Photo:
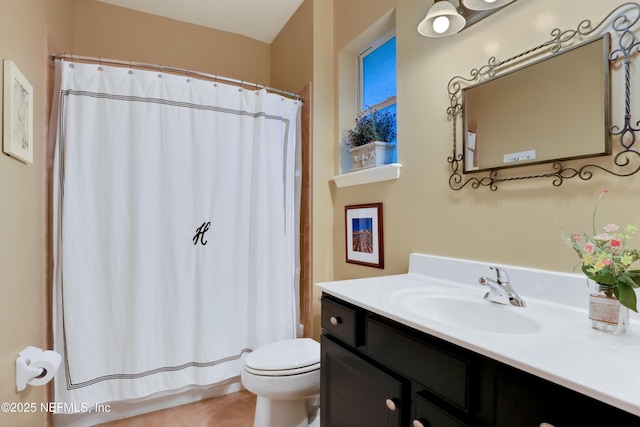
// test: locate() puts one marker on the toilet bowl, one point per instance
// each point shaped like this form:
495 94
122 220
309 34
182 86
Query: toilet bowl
285 377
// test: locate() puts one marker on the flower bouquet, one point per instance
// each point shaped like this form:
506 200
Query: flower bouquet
606 259
372 126
370 140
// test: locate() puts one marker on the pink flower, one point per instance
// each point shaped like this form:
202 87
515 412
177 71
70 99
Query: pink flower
589 247
615 243
577 237
606 262
605 190
602 237
611 228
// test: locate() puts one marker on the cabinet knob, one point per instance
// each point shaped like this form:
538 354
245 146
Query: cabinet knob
335 320
391 404
417 423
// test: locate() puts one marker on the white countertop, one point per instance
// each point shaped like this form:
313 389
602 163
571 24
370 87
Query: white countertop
562 348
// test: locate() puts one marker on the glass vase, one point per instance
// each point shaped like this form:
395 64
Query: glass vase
605 311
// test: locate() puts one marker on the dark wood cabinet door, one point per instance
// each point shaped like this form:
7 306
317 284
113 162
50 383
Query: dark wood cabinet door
356 393
525 400
520 403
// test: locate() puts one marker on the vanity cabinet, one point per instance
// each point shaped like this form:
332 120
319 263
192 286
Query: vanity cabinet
378 372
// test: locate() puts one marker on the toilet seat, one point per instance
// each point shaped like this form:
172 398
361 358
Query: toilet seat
283 372
284 358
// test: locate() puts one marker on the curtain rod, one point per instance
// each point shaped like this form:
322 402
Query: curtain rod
173 70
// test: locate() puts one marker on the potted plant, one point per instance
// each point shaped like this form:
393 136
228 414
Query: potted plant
370 140
606 259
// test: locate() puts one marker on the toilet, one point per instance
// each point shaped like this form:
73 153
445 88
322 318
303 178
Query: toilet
285 375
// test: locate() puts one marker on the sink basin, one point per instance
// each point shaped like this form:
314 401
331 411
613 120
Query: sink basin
461 309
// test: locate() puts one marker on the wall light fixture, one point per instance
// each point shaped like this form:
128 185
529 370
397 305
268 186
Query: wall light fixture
444 18
485 4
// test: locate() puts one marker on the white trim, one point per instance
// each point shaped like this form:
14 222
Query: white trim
367 176
381 106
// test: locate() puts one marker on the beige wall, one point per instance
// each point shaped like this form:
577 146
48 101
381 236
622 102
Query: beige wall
355 16
115 32
303 52
27 27
292 51
324 148
514 225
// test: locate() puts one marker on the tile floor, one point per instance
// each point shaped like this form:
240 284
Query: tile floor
231 410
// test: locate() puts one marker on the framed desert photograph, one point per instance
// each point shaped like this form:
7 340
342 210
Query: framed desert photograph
363 234
18 114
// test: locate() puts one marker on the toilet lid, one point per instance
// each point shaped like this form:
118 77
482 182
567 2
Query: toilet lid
285 355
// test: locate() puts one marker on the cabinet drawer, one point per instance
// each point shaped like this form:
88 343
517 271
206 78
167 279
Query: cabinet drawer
442 373
339 320
429 415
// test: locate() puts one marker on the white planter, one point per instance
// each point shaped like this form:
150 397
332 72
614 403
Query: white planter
373 154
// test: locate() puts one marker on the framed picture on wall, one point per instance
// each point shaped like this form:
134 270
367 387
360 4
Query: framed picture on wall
18 114
363 234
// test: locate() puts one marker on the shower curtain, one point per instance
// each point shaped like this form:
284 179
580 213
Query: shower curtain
174 230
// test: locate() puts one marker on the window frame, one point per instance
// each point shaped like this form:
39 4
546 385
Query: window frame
360 58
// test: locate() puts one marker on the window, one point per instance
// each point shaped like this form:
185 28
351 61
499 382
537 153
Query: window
377 66
366 79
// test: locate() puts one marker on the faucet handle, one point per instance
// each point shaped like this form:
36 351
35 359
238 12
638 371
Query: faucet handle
499 274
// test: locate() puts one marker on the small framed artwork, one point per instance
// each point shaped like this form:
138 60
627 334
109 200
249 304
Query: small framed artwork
363 228
18 114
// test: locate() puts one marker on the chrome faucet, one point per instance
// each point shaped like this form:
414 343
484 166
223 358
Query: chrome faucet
500 290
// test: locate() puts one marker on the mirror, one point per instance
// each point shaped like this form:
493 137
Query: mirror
514 115
519 117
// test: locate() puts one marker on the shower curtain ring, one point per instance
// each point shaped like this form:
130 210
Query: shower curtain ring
130 68
100 68
241 83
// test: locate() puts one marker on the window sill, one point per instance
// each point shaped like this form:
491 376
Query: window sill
367 176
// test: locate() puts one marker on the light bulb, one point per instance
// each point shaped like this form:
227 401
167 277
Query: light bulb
441 24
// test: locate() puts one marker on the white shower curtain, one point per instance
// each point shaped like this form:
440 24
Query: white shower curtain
174 230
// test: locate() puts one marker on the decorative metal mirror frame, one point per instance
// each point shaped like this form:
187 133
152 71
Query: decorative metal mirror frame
624 159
